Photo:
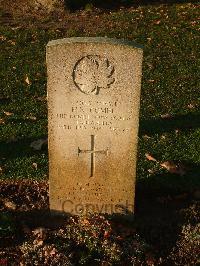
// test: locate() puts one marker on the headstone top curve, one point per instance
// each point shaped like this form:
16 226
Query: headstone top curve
99 40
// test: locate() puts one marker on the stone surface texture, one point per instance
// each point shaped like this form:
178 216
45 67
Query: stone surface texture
93 112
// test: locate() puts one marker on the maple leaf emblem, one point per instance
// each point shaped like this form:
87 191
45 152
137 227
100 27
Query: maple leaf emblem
92 73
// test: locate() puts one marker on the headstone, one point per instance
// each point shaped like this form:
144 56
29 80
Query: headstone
93 100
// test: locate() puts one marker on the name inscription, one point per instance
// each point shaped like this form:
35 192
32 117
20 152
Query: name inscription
95 116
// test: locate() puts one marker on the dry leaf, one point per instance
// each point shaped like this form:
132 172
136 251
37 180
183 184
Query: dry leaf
151 171
2 38
27 80
191 106
166 116
37 145
40 233
33 118
157 22
7 113
10 205
149 157
42 99
38 243
2 122
35 165
12 42
146 137
174 168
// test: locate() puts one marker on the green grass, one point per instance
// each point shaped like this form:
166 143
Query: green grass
169 34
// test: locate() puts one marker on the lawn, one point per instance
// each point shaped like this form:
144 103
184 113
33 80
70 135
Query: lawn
168 167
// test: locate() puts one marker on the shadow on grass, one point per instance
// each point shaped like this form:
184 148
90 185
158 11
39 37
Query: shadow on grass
116 4
158 126
20 148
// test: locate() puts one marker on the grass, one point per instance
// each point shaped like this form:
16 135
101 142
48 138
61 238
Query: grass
169 120
169 34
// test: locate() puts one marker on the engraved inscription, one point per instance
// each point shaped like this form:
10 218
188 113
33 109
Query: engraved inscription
95 116
84 115
93 73
92 152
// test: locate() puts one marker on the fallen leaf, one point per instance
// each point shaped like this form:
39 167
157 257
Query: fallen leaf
12 42
38 243
7 113
151 171
157 22
174 168
37 144
33 118
35 166
166 116
146 137
2 122
1 170
27 80
106 234
149 157
2 38
40 233
42 99
191 106
10 205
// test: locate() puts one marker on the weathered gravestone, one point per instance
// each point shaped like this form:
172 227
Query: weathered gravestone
93 100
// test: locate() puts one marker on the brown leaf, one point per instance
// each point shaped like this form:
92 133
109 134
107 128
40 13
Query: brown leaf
2 38
166 116
146 137
174 168
12 42
2 121
7 113
10 205
191 106
27 80
38 243
149 157
157 22
33 118
40 233
35 166
37 144
42 99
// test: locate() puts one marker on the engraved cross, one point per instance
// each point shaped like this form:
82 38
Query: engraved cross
92 152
